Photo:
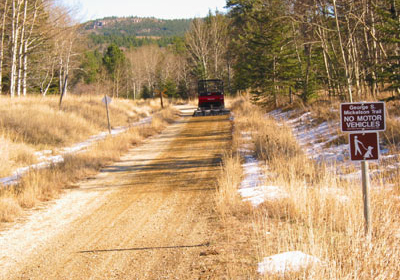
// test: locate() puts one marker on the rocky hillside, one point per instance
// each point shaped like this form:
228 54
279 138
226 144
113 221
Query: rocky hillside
136 26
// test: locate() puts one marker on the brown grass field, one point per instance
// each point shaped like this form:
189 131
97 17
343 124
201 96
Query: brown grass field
312 219
34 123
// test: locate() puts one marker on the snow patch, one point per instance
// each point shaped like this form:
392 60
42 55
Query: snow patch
336 193
259 194
252 188
287 262
314 139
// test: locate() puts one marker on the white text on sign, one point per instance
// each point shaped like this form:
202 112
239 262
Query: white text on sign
362 117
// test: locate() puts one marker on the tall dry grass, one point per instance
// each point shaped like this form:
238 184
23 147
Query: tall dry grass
32 123
322 215
227 198
46 184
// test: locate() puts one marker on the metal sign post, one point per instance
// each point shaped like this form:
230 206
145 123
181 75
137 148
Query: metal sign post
107 100
363 120
366 200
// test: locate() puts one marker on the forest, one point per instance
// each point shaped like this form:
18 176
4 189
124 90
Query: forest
274 49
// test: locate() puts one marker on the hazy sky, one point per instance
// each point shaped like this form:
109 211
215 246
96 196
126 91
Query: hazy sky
164 9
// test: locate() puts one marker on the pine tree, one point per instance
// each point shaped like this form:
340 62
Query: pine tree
390 28
263 46
114 60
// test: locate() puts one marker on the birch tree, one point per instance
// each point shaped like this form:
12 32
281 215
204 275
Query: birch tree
15 33
4 11
198 46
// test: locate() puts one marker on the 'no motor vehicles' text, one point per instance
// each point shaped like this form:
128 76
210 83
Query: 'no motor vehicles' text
363 116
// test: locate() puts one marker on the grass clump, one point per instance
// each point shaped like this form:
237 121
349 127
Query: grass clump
227 198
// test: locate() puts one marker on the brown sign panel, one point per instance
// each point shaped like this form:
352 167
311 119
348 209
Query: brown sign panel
362 116
364 146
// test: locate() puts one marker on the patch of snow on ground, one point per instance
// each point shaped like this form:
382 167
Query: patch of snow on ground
336 193
314 139
258 195
252 188
287 262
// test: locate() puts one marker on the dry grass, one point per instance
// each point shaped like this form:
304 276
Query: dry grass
46 184
9 208
322 215
36 123
227 198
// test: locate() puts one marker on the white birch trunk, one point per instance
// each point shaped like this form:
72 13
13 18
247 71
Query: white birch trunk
16 5
3 28
345 62
25 69
21 49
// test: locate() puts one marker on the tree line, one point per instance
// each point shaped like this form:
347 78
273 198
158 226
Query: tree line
306 48
345 48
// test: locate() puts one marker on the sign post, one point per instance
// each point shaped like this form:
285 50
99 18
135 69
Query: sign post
366 200
363 121
107 100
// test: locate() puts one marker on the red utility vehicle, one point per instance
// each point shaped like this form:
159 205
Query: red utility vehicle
211 98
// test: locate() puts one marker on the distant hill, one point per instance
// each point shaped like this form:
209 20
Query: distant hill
134 31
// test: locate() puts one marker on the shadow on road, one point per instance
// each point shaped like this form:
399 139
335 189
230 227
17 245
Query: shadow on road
145 248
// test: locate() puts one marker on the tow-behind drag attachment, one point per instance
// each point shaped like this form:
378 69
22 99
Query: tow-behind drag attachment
211 98
211 112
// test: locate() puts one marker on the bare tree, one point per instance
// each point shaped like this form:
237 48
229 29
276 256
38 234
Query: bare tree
21 47
3 29
198 46
219 41
15 33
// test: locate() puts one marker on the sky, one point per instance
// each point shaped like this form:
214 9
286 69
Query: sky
162 9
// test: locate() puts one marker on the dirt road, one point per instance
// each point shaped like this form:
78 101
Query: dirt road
149 216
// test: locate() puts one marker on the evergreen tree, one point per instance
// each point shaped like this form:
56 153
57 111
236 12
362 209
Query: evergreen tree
264 52
115 62
90 67
390 27
171 89
113 58
146 92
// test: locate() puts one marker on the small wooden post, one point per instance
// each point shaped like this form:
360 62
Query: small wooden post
64 90
365 189
108 115
161 99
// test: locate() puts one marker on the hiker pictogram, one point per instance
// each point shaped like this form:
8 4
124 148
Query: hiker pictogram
364 146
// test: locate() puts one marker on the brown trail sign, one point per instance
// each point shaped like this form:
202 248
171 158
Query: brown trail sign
362 116
364 146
